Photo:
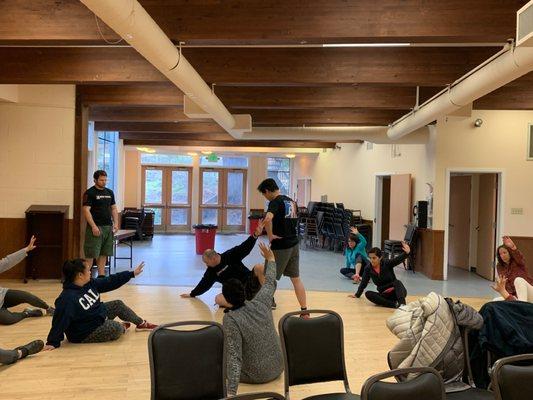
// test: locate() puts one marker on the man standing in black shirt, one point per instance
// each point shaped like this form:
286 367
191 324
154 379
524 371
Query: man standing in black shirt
101 214
229 265
281 225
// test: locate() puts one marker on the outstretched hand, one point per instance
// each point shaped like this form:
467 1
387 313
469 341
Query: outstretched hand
266 252
507 241
405 247
139 270
48 348
31 245
499 286
354 230
185 295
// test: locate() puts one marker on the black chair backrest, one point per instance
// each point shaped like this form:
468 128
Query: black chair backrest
340 205
313 348
427 384
410 232
513 377
187 364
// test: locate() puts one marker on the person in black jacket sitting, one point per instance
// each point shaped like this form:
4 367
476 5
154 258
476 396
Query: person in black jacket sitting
82 316
391 292
229 265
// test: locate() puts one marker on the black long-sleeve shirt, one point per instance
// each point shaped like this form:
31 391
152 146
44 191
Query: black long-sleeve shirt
231 266
386 277
79 310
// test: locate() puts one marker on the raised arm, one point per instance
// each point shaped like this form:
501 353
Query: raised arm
207 281
13 259
233 354
113 282
266 292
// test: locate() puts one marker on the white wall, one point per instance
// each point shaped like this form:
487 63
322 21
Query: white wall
500 143
348 175
37 149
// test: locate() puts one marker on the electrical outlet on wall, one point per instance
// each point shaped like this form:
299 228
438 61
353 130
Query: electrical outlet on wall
517 211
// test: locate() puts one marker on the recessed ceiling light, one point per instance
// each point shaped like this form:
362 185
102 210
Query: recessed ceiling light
192 153
146 150
290 155
207 152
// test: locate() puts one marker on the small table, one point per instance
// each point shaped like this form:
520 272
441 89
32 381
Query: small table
120 237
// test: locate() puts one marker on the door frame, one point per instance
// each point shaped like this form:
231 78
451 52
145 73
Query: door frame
222 194
378 207
500 206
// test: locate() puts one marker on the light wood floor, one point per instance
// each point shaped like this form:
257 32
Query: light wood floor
120 370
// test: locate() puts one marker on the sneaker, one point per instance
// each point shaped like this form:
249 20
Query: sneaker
274 305
145 326
50 311
33 312
31 348
126 325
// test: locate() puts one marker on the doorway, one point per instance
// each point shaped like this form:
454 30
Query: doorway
223 198
167 191
392 214
472 222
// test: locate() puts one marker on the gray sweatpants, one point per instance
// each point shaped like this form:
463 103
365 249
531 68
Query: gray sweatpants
111 330
8 356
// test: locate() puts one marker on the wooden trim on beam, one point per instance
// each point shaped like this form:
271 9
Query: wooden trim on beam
138 114
132 95
176 127
234 143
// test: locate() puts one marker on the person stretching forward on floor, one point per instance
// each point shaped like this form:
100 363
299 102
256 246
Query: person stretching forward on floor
253 350
391 292
11 298
82 316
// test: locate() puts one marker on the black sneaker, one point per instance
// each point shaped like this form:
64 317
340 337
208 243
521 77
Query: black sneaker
33 312
274 305
31 348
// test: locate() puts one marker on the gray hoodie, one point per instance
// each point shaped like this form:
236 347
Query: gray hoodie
7 263
253 348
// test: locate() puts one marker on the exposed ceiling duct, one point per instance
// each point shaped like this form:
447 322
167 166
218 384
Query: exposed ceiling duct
509 64
131 21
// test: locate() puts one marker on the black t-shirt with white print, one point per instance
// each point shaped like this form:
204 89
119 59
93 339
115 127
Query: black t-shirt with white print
100 201
284 223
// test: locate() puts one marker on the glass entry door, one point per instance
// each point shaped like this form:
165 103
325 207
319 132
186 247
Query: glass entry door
223 198
167 191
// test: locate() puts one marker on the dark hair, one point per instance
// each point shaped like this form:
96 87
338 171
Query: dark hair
268 184
500 261
375 250
97 174
233 292
353 238
71 268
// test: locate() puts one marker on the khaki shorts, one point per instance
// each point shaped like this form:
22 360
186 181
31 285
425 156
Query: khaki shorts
287 262
96 246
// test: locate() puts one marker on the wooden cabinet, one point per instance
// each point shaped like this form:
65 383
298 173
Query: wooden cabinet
50 225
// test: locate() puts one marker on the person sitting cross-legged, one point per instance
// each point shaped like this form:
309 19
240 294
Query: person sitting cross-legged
253 349
229 265
391 291
82 316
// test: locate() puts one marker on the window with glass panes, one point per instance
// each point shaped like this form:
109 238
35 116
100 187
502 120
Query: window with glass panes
279 169
105 155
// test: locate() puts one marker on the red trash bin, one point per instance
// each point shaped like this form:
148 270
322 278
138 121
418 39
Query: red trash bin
205 237
253 224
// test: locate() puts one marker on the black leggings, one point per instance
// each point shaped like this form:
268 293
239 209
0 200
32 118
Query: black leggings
392 299
14 298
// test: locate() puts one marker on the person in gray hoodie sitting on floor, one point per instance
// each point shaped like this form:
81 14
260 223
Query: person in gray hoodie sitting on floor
253 349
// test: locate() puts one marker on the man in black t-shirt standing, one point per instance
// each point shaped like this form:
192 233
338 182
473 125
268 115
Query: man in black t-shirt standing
281 225
101 213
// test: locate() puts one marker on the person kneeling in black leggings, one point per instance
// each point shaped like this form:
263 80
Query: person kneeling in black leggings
391 292
82 316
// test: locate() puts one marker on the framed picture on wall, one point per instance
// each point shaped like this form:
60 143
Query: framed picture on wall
530 142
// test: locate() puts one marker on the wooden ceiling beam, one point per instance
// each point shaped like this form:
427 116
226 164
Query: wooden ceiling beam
133 95
174 136
139 114
273 21
171 127
333 116
234 143
247 66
